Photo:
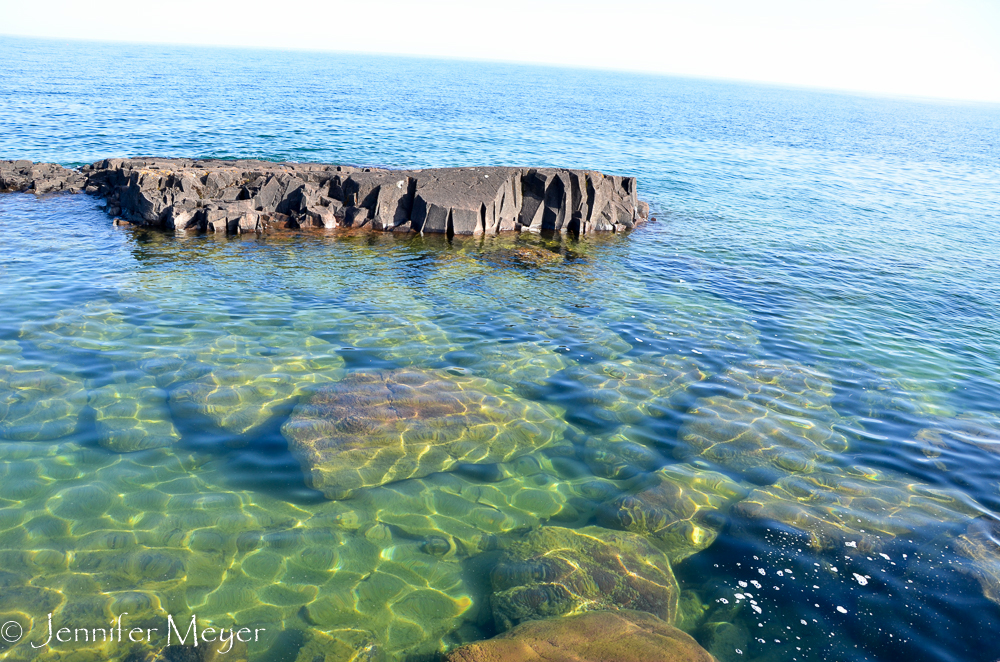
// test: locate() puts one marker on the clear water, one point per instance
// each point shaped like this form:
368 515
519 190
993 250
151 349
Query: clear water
821 284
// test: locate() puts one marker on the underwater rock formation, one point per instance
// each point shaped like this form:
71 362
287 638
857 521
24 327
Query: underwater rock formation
246 379
855 507
554 571
777 421
627 390
234 197
374 428
681 511
981 544
979 429
38 401
623 636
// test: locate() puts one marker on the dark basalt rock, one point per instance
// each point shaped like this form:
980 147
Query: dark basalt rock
237 197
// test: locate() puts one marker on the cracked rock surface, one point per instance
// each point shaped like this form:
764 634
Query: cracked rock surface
236 197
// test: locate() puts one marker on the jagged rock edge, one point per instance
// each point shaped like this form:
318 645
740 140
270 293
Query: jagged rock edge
236 197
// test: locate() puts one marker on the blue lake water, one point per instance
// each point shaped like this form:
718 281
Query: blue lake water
803 347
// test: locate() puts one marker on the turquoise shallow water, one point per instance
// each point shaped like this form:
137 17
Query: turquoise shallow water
803 348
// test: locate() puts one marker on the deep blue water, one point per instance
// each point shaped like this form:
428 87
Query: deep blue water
851 236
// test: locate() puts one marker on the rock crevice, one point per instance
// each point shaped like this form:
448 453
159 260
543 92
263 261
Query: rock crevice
236 197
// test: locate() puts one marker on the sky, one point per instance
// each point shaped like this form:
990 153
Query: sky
922 48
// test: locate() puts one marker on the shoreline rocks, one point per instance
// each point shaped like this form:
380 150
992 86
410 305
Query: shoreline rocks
237 197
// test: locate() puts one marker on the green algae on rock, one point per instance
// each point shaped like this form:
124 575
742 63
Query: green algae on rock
778 421
374 428
680 511
597 636
858 507
554 571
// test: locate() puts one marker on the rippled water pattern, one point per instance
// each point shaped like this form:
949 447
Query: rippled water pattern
787 386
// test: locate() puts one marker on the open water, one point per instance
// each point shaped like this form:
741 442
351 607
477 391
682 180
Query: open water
792 378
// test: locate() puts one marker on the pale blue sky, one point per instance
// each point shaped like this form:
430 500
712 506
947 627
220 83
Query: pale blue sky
937 48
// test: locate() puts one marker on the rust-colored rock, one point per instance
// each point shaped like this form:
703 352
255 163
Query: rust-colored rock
597 636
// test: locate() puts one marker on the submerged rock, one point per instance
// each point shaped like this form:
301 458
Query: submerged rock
553 571
39 401
682 511
235 197
248 378
454 516
979 429
599 636
522 365
622 455
777 421
981 544
131 414
858 508
374 428
627 390
340 645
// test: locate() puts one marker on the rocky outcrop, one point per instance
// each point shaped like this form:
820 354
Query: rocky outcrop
235 197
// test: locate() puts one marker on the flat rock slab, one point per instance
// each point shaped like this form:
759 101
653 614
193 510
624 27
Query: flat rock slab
598 636
235 197
374 428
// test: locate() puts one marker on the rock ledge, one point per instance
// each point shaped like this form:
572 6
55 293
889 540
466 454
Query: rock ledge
235 197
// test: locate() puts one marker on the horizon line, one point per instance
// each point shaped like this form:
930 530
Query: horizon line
844 91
